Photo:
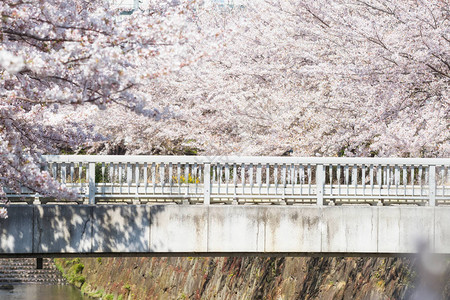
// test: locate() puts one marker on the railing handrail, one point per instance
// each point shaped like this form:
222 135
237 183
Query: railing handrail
217 179
246 159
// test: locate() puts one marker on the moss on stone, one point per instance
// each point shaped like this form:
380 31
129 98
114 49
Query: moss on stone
71 270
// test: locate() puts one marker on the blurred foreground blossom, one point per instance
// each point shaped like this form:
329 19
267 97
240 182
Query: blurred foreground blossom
433 275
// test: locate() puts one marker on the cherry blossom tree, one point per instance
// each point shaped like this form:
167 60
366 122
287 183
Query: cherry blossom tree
300 77
316 77
394 65
58 57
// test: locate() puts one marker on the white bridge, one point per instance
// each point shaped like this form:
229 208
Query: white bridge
188 205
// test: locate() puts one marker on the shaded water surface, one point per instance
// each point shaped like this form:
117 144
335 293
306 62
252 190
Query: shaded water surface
41 292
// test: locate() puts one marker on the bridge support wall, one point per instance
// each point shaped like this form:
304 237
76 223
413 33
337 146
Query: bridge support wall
222 230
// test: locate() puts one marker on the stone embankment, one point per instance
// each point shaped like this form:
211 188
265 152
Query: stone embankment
249 278
23 270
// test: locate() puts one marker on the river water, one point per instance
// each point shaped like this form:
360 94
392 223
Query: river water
42 292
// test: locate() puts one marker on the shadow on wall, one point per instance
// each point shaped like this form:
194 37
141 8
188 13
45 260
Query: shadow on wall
16 232
76 229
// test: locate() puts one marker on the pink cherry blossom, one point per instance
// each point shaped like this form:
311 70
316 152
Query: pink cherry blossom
320 78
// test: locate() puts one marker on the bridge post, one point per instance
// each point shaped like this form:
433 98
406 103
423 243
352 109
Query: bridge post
91 177
320 182
432 186
39 263
207 184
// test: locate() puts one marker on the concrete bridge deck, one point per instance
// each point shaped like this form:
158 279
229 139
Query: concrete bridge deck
222 230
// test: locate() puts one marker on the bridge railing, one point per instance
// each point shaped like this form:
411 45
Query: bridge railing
255 180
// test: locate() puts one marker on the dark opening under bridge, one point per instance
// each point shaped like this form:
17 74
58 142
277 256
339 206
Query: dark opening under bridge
189 205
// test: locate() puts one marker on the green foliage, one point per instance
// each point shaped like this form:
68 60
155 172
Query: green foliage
59 267
96 294
182 296
78 268
78 280
190 151
74 275
127 287
71 270
183 179
98 173
73 261
67 151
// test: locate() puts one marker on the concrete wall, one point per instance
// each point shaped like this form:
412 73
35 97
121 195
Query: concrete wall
222 229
